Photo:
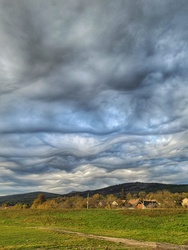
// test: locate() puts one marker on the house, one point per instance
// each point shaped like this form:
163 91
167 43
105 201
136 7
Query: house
132 203
114 204
147 204
141 204
185 203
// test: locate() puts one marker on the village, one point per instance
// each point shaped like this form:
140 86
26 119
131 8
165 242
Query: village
161 199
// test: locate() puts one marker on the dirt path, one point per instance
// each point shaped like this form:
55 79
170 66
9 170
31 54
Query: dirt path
128 242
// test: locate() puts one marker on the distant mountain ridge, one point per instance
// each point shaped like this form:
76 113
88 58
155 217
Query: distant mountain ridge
26 198
136 187
118 190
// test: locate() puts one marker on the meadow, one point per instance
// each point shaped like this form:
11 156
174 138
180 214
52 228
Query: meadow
37 228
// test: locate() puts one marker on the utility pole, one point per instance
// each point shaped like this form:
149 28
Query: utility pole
88 201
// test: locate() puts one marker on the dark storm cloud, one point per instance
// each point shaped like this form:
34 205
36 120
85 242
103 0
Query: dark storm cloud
92 93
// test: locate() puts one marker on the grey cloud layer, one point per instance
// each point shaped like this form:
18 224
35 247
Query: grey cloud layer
92 93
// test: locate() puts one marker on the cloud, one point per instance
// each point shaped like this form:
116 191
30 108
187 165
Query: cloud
93 89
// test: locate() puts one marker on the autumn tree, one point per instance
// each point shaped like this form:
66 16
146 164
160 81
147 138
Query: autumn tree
38 201
129 196
94 201
18 206
110 198
142 195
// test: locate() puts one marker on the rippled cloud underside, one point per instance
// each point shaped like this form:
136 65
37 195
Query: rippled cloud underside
92 93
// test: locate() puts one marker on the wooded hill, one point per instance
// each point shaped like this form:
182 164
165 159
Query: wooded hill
135 188
117 190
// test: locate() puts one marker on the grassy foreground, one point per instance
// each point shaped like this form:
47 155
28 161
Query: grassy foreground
20 228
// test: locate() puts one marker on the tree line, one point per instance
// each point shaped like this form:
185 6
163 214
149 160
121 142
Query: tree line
164 198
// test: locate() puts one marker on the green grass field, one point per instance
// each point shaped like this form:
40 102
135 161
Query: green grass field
20 229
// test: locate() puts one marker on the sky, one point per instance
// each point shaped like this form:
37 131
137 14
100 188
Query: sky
93 93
